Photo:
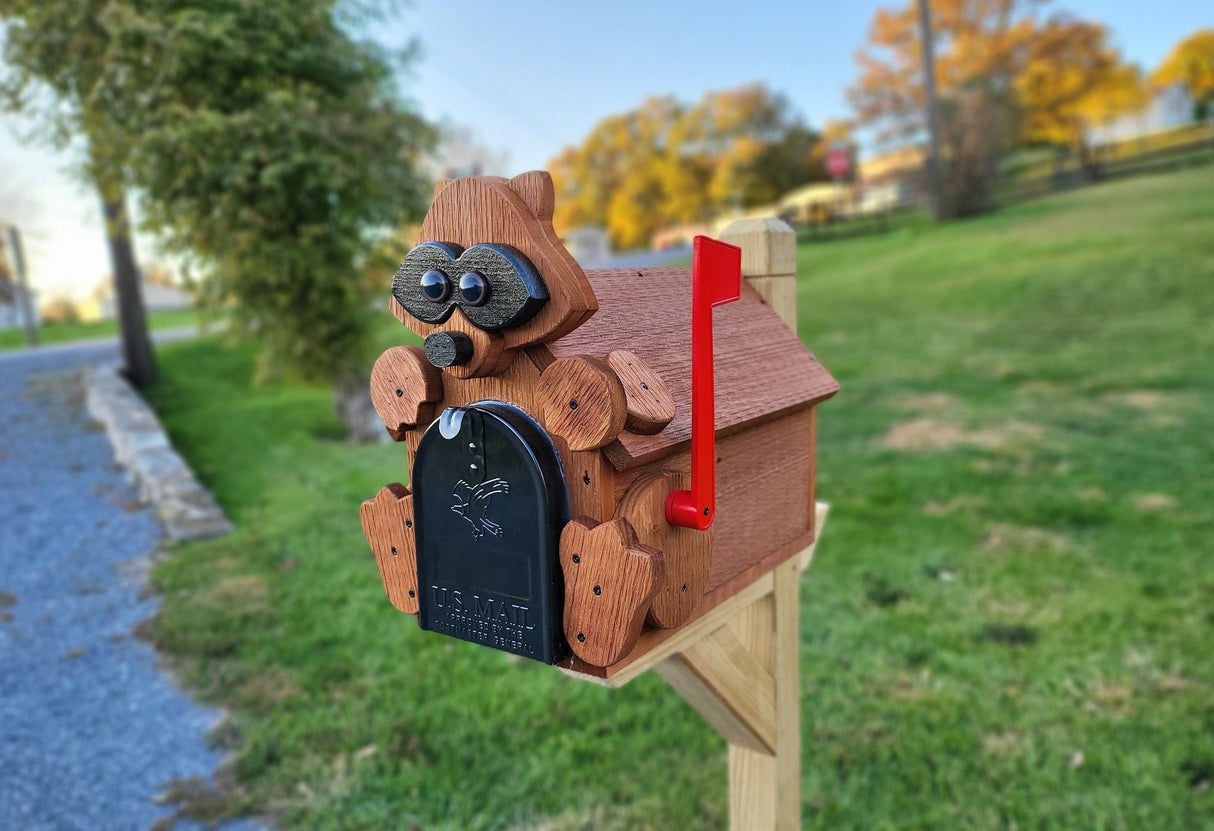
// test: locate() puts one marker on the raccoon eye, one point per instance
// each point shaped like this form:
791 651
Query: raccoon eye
473 288
435 285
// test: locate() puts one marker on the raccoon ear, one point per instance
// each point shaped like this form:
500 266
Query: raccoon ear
535 188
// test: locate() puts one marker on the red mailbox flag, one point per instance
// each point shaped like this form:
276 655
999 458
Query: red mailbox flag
716 278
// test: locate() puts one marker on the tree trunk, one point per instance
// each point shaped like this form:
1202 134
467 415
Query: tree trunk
138 360
352 401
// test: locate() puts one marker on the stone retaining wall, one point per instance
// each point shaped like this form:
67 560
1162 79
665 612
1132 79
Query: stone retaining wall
185 508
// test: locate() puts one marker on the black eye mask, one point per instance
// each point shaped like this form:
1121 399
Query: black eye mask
495 286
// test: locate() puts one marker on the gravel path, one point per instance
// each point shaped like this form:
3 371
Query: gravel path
90 731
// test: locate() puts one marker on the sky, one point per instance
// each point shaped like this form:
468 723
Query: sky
529 78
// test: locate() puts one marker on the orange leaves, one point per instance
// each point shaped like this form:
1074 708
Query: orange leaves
1062 74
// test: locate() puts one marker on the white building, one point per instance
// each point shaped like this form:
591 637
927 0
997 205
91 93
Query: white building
156 298
589 246
1167 107
12 305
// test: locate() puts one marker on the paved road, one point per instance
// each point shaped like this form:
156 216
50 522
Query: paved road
90 731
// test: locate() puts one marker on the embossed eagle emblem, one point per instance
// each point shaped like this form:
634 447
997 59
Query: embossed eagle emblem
472 503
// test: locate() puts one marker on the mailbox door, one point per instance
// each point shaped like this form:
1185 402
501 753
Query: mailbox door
489 502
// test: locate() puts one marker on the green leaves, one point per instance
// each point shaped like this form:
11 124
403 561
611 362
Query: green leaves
266 144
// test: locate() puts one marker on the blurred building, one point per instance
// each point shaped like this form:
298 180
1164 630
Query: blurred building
817 203
157 297
1167 107
680 236
12 302
589 246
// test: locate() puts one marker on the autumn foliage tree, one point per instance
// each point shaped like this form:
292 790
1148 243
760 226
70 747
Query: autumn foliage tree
666 163
1072 80
1004 74
1191 62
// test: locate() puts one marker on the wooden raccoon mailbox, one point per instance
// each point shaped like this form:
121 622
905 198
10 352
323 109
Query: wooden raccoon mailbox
592 471
568 486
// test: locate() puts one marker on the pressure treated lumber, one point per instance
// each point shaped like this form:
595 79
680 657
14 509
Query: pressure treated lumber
729 686
765 785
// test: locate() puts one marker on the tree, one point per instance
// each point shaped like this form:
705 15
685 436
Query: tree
1003 74
1072 79
59 63
274 152
977 43
629 176
1191 62
666 163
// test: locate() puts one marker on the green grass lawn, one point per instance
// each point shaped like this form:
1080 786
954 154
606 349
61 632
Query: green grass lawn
49 333
1009 623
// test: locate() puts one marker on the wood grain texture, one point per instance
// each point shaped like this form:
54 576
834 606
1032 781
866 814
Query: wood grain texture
687 552
404 387
761 369
536 189
781 294
768 245
650 404
716 609
813 468
733 689
582 401
591 481
761 507
765 787
515 212
656 645
609 581
515 385
489 353
387 522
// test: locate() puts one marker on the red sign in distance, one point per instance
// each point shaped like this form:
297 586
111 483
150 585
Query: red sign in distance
838 161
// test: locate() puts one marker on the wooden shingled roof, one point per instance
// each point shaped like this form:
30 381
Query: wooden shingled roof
762 370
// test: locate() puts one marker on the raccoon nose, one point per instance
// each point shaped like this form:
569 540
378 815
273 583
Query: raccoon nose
445 349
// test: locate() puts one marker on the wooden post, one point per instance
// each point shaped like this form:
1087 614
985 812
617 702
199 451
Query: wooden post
744 677
25 301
